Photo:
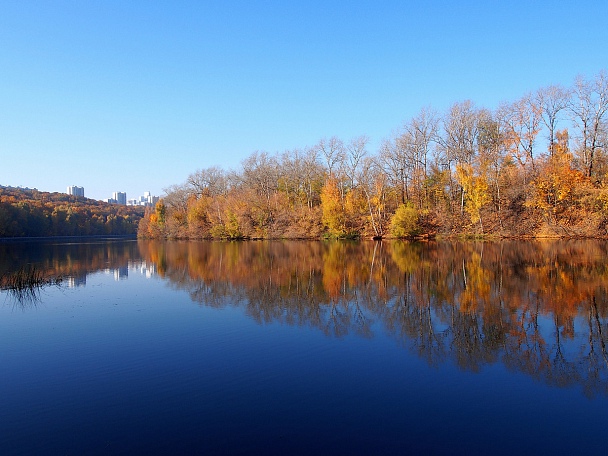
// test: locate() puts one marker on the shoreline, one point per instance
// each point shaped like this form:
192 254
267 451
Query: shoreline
98 237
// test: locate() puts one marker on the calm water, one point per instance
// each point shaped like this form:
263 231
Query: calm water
305 348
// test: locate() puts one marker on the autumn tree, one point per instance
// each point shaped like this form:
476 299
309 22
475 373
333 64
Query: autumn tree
458 141
494 156
448 166
405 221
475 189
555 188
372 183
334 216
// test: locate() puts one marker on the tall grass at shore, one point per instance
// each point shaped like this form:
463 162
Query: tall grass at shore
24 284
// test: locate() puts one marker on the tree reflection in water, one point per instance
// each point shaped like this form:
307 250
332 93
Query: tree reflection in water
28 267
537 307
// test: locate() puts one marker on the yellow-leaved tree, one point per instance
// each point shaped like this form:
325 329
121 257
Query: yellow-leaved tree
334 216
555 188
405 221
476 190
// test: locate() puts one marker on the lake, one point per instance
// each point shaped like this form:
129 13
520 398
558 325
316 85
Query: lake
270 347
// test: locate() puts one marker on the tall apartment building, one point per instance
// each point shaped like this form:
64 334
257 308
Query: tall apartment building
146 200
120 197
75 190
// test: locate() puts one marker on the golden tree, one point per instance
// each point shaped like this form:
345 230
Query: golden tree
334 217
476 190
555 189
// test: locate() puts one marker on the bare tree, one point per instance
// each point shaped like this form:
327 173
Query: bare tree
458 142
301 174
332 150
460 130
588 108
176 197
355 152
522 120
208 182
290 171
260 173
420 134
312 174
423 130
404 159
394 160
552 100
492 152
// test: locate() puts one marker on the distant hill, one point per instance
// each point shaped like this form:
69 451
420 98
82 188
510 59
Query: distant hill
28 212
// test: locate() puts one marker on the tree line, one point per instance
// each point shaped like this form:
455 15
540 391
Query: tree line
31 213
536 166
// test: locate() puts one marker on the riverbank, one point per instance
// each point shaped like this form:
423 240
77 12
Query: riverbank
7 240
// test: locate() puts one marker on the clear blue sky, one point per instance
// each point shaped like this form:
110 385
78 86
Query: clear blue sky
135 95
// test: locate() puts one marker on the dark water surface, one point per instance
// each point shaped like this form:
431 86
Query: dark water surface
305 348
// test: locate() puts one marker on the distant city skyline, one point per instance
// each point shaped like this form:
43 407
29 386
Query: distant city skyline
138 95
147 199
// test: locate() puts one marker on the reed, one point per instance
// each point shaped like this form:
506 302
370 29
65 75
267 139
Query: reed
26 278
25 283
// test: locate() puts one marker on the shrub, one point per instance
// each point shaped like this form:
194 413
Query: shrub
405 222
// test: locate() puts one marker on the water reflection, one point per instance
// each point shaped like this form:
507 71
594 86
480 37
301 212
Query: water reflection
72 261
538 308
28 267
24 284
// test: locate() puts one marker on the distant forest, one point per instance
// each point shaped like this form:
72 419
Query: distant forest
537 166
31 213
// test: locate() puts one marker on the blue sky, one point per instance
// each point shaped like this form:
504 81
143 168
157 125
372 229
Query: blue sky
134 96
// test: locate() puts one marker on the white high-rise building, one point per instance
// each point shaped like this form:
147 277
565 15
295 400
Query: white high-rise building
75 190
147 199
120 197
